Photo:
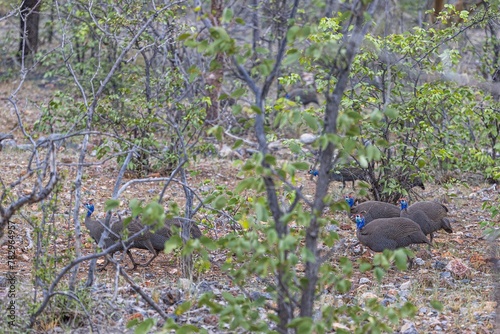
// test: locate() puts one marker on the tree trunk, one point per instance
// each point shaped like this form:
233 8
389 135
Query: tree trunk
29 21
216 75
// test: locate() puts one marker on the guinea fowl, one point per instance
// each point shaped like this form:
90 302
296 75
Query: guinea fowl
303 95
389 233
161 236
431 216
373 209
96 229
344 174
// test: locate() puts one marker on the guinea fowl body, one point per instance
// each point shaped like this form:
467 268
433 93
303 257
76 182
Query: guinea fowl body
96 229
372 210
158 238
431 216
304 95
389 233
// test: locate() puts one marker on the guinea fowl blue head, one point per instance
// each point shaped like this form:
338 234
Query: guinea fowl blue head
350 200
90 208
360 221
403 203
313 172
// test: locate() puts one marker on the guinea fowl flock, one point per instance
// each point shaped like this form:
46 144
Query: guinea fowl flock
381 225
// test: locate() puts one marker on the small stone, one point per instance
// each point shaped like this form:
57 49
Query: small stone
419 262
406 285
458 269
184 283
332 228
438 328
364 280
404 294
254 295
392 292
307 138
422 310
387 301
446 274
225 151
204 287
409 328
439 265
357 250
368 295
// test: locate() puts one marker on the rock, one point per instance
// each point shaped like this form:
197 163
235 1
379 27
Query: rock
364 280
184 283
225 151
419 262
409 328
406 285
307 138
204 287
367 296
254 295
387 301
357 250
332 228
446 274
170 296
459 269
8 143
439 265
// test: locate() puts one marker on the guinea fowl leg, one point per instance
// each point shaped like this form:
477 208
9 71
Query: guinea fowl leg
132 259
151 260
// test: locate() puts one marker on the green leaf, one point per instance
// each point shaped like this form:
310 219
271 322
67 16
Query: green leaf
343 285
392 113
291 58
437 305
379 273
256 109
208 243
311 121
303 325
182 308
174 242
301 165
237 144
187 329
227 15
401 259
145 326
261 212
364 266
292 33
220 202
245 184
111 204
